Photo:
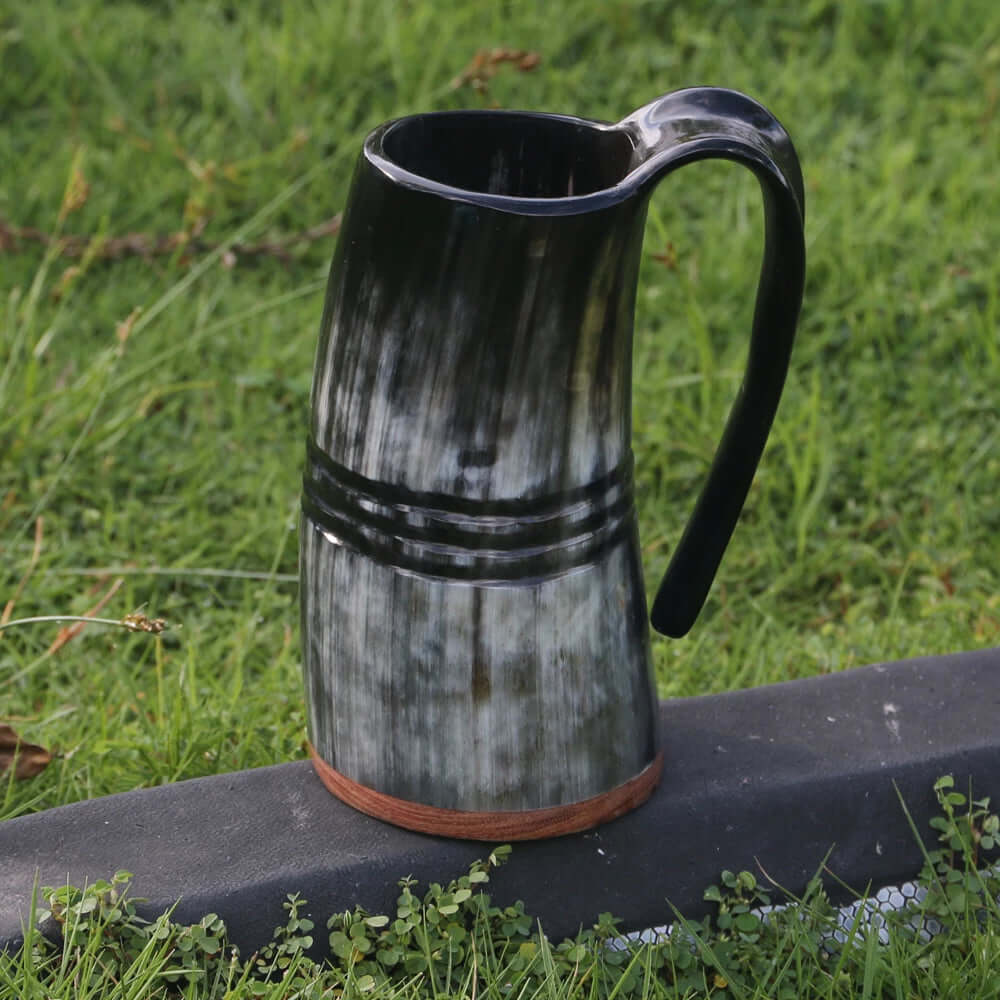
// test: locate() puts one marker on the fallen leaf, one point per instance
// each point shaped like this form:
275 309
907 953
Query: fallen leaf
28 759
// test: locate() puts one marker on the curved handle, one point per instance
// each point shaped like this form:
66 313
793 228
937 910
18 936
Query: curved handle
693 125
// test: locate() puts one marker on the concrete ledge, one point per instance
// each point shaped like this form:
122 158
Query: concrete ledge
782 774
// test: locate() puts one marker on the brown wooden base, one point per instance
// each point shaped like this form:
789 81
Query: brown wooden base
529 824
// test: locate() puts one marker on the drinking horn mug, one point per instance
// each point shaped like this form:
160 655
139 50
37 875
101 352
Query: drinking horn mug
476 650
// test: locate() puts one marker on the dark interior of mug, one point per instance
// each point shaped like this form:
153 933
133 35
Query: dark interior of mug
507 153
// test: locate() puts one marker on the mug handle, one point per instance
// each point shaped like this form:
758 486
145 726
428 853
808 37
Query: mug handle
697 124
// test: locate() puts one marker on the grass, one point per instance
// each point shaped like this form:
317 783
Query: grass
153 458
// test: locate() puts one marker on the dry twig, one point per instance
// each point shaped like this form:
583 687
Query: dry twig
13 238
485 64
71 631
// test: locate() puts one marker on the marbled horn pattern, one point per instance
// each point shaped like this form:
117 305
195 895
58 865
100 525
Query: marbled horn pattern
474 620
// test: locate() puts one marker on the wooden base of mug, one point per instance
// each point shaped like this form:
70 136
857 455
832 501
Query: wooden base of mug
528 824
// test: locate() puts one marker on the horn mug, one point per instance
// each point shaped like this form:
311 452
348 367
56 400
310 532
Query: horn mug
476 650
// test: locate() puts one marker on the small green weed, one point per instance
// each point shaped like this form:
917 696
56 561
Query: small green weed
957 882
455 933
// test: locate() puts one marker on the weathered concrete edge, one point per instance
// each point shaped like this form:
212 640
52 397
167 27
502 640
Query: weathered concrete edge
782 777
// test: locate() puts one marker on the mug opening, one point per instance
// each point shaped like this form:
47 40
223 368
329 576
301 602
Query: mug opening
509 154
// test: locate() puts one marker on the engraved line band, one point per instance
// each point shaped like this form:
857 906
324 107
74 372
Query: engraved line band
459 538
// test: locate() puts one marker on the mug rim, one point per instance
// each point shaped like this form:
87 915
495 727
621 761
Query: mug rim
375 154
